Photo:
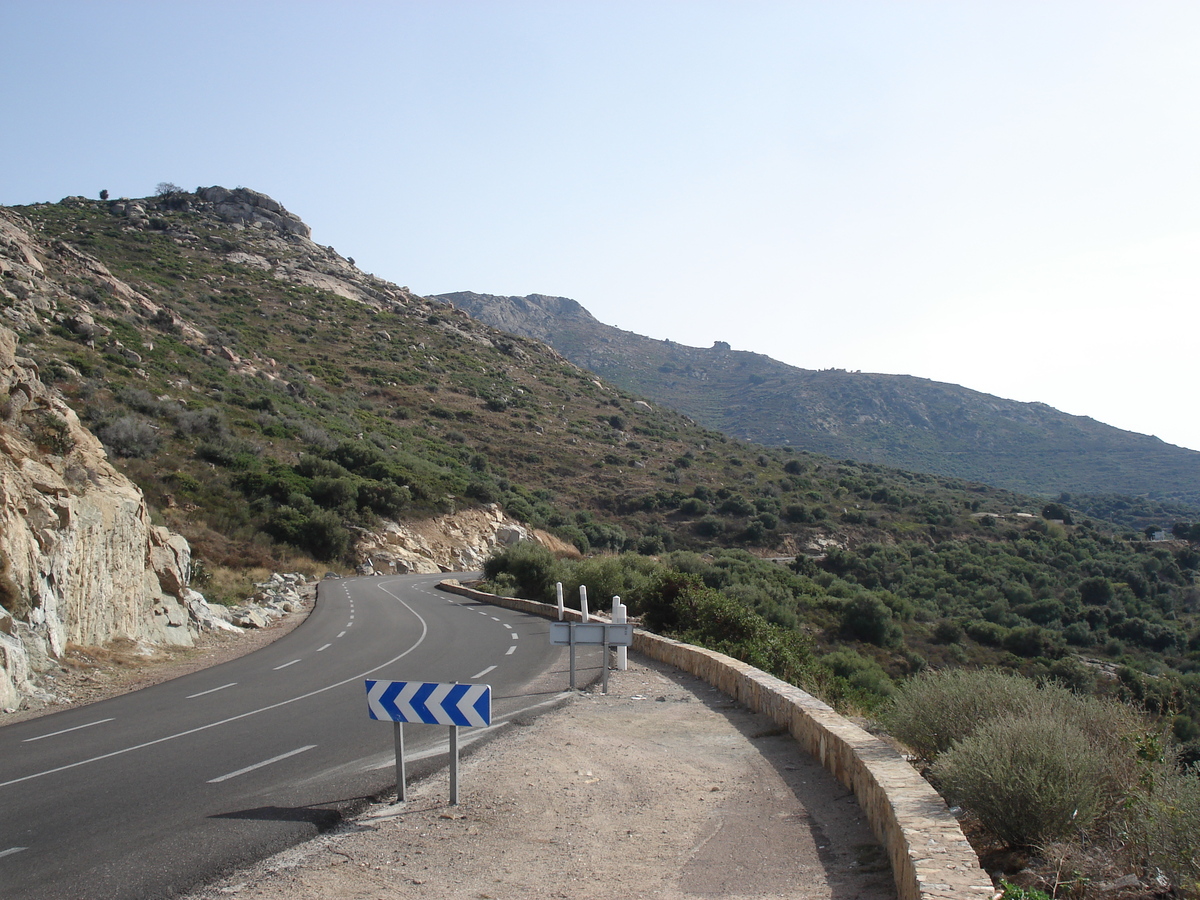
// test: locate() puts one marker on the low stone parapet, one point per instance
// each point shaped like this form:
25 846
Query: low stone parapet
930 856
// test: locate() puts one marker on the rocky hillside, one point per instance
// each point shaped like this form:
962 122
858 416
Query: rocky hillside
280 408
896 420
82 561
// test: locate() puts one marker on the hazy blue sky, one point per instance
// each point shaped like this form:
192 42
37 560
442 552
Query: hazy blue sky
1001 194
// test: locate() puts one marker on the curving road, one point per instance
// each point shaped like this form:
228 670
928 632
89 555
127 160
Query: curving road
151 793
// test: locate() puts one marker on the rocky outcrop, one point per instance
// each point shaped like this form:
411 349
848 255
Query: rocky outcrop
457 542
85 565
250 209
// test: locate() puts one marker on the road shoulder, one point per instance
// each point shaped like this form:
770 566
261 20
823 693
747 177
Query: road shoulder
663 788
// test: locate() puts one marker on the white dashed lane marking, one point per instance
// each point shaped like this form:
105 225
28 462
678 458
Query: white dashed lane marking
265 762
64 731
210 691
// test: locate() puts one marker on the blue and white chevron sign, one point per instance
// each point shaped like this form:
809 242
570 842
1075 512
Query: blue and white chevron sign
430 703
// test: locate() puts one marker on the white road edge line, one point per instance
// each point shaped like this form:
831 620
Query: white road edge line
64 731
265 762
11 850
210 691
481 674
285 665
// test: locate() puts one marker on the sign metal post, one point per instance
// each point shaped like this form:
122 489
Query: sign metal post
401 781
603 633
429 703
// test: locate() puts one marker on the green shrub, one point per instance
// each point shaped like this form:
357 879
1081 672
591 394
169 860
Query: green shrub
532 570
866 679
52 433
987 633
947 632
325 537
626 576
937 708
1016 892
1030 778
868 618
680 604
129 436
1163 826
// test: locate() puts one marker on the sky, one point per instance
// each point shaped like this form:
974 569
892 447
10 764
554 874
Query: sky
1002 194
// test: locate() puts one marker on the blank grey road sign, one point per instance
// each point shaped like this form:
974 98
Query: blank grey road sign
592 633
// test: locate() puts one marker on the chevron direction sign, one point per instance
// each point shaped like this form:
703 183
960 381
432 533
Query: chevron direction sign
430 703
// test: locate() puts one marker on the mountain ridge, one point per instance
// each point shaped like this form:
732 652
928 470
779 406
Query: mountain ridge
903 421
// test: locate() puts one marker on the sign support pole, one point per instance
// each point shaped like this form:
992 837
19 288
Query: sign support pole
572 659
399 735
454 765
604 662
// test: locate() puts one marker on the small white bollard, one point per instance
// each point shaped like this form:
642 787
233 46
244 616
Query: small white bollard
583 610
619 617
558 588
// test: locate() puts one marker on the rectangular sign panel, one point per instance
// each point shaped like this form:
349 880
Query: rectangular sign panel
430 703
592 633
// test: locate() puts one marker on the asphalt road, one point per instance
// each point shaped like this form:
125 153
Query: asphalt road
152 793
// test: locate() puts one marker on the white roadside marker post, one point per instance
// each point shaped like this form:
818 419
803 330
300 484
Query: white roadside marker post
620 617
561 610
583 617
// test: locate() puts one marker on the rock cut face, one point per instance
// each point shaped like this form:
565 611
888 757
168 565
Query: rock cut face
84 563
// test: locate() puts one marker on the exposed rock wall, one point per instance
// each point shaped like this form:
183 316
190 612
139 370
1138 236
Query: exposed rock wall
84 562
456 542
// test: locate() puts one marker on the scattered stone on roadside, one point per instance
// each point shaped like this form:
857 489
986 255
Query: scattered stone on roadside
272 599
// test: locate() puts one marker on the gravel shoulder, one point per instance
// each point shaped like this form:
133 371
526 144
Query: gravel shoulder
91 674
662 788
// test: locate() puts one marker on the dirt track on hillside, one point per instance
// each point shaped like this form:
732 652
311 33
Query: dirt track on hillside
663 788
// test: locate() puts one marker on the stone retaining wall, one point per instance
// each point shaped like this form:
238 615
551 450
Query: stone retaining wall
931 859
